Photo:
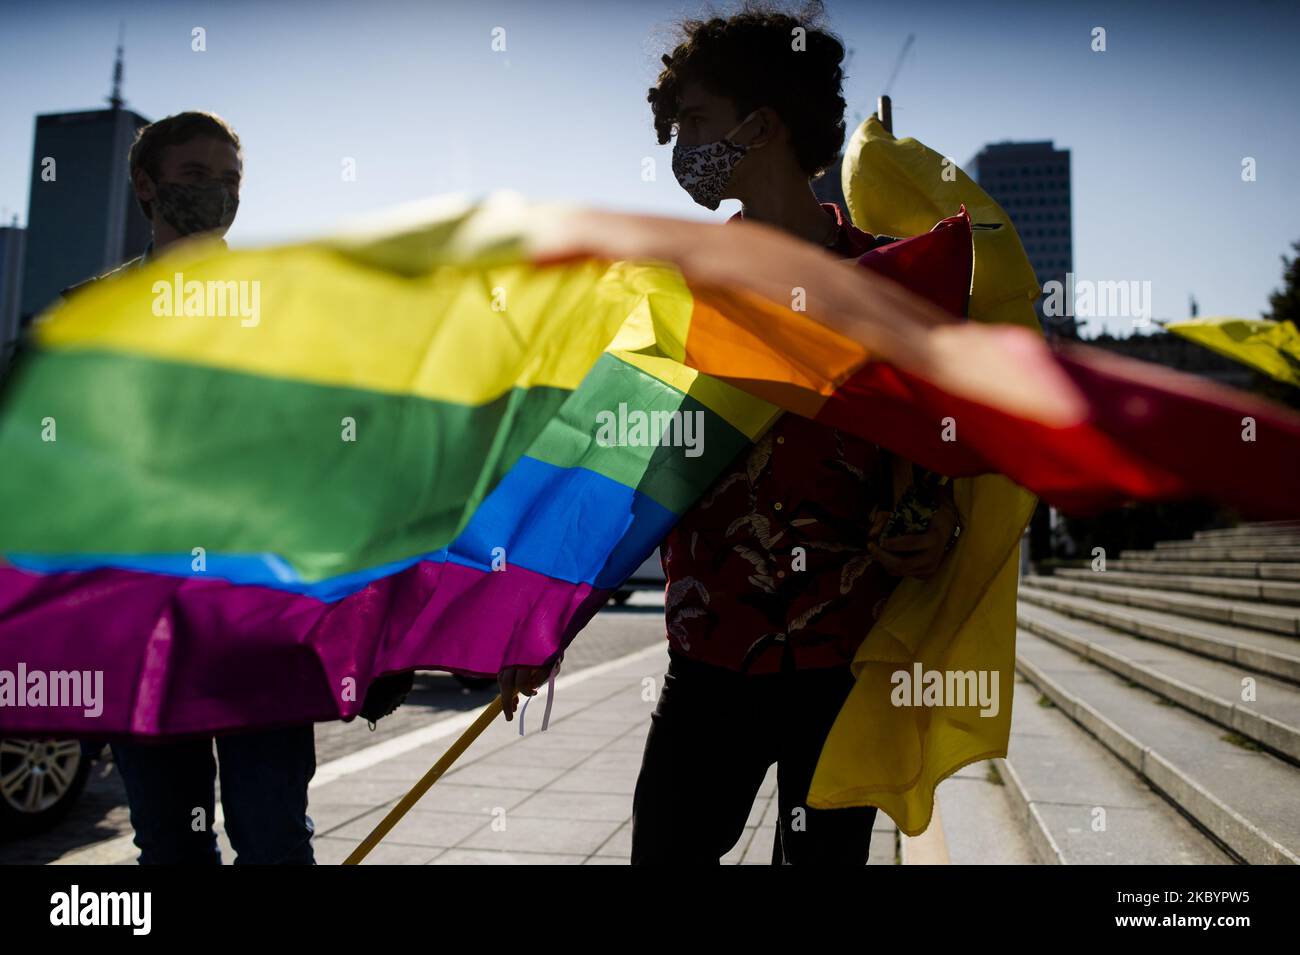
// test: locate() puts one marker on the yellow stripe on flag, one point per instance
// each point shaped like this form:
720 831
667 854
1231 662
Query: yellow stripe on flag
292 314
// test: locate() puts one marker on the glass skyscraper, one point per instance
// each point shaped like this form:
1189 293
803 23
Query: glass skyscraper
1031 182
82 217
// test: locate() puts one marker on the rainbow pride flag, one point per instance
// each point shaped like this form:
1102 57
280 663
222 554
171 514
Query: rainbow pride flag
441 441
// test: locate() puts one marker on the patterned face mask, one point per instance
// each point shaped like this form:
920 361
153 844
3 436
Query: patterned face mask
190 207
704 170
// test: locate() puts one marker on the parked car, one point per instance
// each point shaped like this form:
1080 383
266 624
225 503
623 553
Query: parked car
40 781
649 576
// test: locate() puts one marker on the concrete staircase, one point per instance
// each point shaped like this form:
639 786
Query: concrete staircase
1157 710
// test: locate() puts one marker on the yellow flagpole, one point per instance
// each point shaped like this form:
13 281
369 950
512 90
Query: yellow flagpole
490 712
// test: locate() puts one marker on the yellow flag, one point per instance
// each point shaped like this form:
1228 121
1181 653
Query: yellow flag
1270 347
959 626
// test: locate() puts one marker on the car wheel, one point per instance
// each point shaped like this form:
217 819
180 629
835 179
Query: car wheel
40 780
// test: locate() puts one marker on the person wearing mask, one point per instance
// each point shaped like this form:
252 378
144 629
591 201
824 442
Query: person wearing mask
186 171
777 573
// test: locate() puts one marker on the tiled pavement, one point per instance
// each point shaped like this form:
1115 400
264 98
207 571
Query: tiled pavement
563 796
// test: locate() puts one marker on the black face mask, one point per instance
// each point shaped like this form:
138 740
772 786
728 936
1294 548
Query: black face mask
191 207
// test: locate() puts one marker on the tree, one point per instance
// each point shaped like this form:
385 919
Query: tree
1285 302
1285 307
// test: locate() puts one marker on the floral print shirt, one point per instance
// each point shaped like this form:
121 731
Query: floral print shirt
775 554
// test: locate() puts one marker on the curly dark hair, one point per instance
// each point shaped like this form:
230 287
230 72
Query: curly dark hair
750 58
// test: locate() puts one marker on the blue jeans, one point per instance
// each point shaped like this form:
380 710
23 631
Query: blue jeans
264 777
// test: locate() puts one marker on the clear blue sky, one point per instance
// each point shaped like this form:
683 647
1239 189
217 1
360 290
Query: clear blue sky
1157 125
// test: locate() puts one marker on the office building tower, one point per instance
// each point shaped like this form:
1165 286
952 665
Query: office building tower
12 241
1031 182
82 217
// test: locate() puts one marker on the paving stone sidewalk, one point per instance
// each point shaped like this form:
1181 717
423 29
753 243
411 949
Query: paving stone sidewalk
563 796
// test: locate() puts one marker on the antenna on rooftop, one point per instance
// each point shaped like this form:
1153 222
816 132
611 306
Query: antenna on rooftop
898 64
115 100
885 106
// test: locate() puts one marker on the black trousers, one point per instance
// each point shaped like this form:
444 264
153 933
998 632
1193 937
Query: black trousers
713 735
264 777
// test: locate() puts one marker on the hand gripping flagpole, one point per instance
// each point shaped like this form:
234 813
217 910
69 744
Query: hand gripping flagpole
490 712
428 779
